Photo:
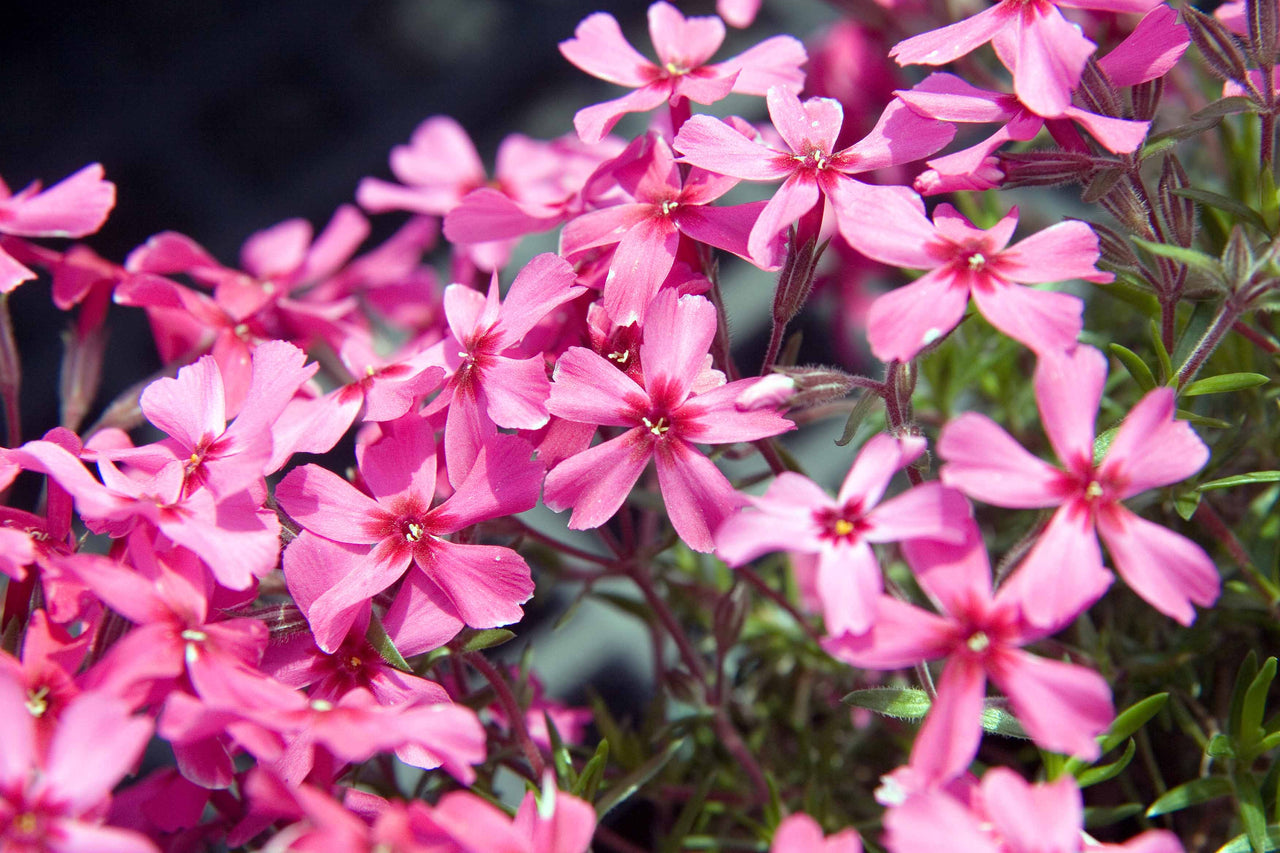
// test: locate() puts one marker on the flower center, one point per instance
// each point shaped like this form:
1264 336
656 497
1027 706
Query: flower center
413 531
977 261
978 642
669 206
1093 490
676 69
321 705
840 525
657 427
38 702
621 357
814 158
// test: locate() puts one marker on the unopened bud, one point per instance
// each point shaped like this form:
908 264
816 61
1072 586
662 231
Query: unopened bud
1097 91
1123 203
1221 53
1261 16
796 388
729 616
1115 248
1045 168
1145 98
1178 212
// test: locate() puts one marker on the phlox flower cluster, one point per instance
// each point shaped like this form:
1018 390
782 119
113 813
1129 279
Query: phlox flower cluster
303 635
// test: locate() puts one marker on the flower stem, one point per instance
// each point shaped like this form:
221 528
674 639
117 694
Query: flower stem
1227 316
515 714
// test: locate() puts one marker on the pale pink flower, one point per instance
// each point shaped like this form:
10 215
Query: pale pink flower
798 516
738 13
1150 449
1045 51
663 419
684 47
73 207
890 226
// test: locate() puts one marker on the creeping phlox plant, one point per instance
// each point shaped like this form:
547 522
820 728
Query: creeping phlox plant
1024 604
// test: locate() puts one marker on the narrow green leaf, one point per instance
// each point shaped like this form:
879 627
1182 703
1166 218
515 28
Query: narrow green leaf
861 409
688 815
1096 816
1191 793
1135 365
904 703
1244 677
1199 261
1225 203
1102 444
633 781
560 757
1220 746
1253 813
1201 420
1240 480
1223 383
1162 354
1131 719
487 639
377 636
625 604
1254 709
1269 742
1232 105
589 781
1241 844
1094 775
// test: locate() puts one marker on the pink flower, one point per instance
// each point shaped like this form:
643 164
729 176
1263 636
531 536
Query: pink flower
809 165
889 225
1045 51
491 381
684 46
663 419
1062 706
648 231
1149 450
372 539
73 207
802 834
1006 815
55 803
796 515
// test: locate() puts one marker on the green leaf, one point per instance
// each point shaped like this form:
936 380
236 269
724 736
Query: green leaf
904 703
1225 203
593 773
560 757
1240 480
1232 105
688 815
487 639
1135 365
1253 813
1096 816
1254 708
1223 383
1191 793
1241 843
633 781
1102 444
1201 420
1199 261
1220 746
1244 679
997 720
1186 504
861 409
1131 719
1162 354
1094 775
377 636
625 604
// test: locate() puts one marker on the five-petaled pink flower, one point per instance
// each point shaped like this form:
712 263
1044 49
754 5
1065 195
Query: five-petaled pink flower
797 515
663 419
1149 450
890 226
73 207
684 46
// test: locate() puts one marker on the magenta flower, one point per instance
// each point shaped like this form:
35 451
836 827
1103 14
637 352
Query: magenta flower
1045 51
1062 706
374 538
663 419
809 165
73 207
889 225
1150 450
684 46
798 516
